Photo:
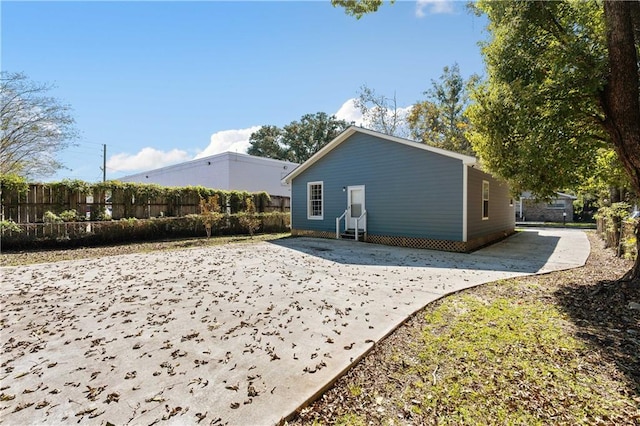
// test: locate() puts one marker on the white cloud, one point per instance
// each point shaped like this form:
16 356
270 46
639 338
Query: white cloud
228 140
403 113
148 158
350 113
433 7
235 140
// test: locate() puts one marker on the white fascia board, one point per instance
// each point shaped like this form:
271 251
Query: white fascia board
465 201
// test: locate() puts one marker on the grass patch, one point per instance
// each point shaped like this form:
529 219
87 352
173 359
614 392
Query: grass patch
355 390
351 420
505 360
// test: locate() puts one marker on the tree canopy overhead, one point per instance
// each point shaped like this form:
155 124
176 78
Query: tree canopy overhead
537 121
298 140
563 82
563 87
358 8
34 127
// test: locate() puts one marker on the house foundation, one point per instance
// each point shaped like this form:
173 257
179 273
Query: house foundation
416 242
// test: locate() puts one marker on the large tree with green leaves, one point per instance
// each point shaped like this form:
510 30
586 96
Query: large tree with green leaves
267 142
440 120
537 121
358 8
310 134
608 183
34 126
563 80
298 140
563 83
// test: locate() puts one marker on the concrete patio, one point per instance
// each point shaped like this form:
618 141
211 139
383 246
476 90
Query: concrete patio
234 334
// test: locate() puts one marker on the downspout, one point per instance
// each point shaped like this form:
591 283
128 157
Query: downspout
465 189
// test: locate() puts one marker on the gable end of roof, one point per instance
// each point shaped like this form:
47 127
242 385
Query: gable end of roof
466 159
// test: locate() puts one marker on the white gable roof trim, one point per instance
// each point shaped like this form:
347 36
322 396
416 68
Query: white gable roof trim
466 159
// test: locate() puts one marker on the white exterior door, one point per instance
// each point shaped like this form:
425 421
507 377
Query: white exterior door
355 206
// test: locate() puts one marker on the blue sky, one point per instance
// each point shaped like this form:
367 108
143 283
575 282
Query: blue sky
164 82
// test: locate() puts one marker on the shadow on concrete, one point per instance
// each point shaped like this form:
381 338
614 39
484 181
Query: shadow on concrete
524 252
606 322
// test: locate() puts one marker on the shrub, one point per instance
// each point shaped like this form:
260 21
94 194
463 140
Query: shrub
619 229
69 216
129 230
13 183
51 217
210 212
9 226
248 219
103 214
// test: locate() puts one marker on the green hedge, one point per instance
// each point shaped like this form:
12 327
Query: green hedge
70 234
22 200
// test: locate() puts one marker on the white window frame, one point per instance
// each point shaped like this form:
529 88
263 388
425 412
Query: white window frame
310 214
485 193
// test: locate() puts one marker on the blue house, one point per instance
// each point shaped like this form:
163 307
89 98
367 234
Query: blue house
388 190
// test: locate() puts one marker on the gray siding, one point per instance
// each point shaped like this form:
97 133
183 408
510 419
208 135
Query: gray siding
409 192
545 212
501 213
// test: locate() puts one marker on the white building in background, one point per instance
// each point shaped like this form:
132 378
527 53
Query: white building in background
227 171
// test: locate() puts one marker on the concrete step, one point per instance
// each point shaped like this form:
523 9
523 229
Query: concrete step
350 234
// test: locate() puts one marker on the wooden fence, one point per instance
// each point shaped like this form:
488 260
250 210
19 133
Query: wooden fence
619 236
31 206
69 234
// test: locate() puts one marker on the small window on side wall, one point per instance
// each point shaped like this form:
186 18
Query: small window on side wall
485 200
314 200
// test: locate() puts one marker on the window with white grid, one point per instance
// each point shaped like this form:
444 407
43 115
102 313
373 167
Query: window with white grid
314 200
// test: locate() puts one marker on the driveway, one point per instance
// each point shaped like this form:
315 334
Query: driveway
233 334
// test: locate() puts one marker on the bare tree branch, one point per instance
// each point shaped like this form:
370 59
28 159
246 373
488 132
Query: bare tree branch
34 127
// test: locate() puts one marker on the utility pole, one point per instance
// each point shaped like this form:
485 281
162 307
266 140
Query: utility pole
104 162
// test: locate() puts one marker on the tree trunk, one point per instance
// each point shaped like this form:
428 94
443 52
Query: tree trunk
621 95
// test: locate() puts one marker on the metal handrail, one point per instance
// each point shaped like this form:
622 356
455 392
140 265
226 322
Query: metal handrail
338 223
364 213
